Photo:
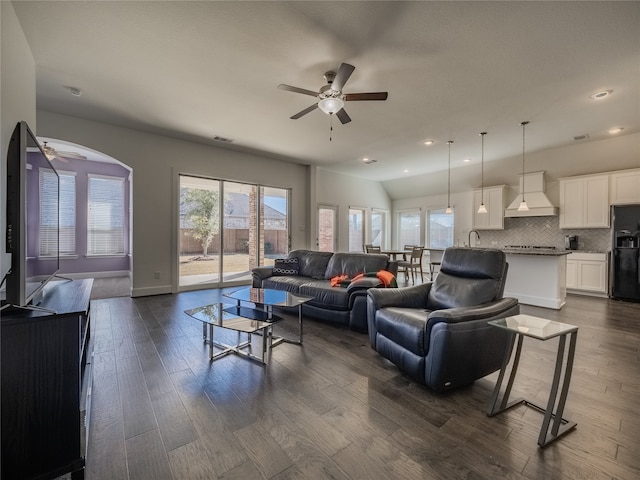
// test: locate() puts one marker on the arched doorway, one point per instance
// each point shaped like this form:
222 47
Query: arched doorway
95 219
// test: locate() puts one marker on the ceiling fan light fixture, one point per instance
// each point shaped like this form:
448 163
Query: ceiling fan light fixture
49 152
331 105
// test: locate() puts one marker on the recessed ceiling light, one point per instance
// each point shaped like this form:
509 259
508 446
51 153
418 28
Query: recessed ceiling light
428 142
406 170
613 131
76 92
466 160
368 161
601 94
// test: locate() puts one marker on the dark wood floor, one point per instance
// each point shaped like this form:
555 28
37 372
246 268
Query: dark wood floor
335 409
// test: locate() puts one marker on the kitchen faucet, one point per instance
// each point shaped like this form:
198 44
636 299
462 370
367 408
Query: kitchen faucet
477 234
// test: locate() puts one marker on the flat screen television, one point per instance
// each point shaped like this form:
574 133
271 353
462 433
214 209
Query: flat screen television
32 236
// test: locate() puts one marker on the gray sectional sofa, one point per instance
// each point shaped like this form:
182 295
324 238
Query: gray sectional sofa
346 305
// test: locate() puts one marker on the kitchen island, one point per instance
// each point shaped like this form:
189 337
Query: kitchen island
537 276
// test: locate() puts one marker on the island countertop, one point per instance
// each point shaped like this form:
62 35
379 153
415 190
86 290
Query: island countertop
548 252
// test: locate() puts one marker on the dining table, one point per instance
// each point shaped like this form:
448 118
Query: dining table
393 254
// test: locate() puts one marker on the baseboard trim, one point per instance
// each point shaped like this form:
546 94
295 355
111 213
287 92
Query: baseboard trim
111 274
147 291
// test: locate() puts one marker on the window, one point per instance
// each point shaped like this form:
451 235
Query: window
409 230
356 229
440 227
105 223
378 220
67 232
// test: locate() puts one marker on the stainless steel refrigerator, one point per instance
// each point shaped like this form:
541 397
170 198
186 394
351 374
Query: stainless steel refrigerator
625 252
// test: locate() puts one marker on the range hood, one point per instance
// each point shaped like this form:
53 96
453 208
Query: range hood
538 203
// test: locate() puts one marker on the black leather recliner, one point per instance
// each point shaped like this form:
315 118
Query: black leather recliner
437 332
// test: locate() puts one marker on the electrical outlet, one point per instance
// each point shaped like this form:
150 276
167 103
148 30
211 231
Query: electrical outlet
156 275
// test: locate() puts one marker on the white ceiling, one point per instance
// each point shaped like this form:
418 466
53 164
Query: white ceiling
194 70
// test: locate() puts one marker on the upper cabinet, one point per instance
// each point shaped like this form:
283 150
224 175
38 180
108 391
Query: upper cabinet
494 201
584 202
625 187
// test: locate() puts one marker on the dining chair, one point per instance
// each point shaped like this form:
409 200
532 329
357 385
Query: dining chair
413 264
434 261
372 249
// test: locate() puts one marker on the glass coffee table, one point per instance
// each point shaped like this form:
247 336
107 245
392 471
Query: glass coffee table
264 300
223 316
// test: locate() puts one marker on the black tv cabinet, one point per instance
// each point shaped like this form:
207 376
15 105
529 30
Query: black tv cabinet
43 359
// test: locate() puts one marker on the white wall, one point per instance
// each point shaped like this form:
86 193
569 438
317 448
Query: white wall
156 162
17 100
345 191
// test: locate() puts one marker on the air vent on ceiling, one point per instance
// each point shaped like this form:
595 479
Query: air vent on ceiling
218 138
581 137
369 161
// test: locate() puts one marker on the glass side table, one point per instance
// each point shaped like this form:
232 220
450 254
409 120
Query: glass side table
541 329
219 315
265 299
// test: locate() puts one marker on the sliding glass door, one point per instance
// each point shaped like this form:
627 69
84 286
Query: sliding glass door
228 228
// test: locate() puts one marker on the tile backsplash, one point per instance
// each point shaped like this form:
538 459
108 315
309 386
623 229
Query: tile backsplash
544 231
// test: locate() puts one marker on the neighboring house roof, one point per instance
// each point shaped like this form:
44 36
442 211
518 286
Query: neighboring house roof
236 214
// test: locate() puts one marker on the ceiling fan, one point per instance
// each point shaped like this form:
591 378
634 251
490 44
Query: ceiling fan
52 153
330 97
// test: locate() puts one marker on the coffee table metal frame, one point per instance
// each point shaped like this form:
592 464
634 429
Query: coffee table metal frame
265 299
222 315
541 329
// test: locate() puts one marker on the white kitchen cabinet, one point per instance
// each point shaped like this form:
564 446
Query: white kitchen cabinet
494 201
625 187
587 273
584 202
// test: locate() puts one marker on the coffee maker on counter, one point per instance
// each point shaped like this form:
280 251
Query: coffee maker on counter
571 242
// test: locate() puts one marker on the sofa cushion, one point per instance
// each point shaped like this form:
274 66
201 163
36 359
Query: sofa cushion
312 264
352 264
288 283
332 298
286 266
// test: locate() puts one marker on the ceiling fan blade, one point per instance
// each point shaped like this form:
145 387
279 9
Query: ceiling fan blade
304 112
289 88
71 155
344 72
342 116
351 97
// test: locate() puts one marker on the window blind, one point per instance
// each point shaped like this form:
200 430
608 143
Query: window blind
105 223
48 222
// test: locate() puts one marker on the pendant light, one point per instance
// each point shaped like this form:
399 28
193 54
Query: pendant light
523 205
449 211
482 208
